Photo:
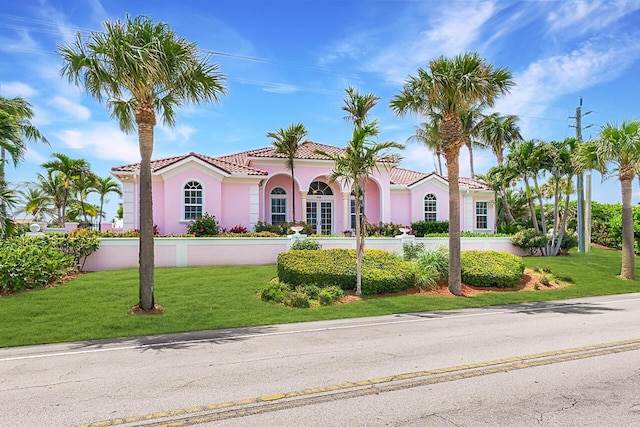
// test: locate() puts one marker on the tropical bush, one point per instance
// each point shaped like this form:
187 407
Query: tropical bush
79 243
491 268
383 229
423 228
306 244
433 267
204 225
382 271
529 240
410 251
32 262
301 296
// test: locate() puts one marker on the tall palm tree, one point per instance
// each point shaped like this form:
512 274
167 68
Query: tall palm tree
450 87
618 148
527 158
354 166
84 185
69 171
142 69
428 134
104 186
286 141
8 199
498 132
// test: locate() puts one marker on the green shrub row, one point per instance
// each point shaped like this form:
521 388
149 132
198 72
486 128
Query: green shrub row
382 271
491 268
284 228
423 228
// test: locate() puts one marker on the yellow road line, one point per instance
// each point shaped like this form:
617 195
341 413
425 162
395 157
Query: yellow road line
308 396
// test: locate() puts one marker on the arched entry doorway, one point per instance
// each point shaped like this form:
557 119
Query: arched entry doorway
320 207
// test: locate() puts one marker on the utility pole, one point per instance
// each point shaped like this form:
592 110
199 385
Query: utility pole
584 229
580 182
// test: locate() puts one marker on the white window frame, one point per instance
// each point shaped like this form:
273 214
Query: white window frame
434 212
196 187
279 194
480 213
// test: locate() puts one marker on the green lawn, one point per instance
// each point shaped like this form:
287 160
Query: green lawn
96 305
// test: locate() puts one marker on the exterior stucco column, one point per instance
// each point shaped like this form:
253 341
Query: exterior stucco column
346 210
303 202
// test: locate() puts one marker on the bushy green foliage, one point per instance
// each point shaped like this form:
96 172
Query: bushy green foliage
329 295
491 268
423 228
569 241
306 244
302 296
79 243
433 267
31 262
529 240
205 225
410 251
382 271
383 229
606 225
284 229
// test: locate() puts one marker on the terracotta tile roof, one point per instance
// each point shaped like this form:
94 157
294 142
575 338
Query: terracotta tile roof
408 177
225 165
305 151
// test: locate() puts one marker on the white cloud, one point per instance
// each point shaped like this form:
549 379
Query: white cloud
550 78
586 16
76 111
12 89
180 133
452 29
101 140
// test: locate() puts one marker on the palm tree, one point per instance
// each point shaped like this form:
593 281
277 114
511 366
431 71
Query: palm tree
618 146
16 127
84 185
527 159
52 185
498 132
429 134
358 105
7 198
354 166
470 119
286 141
104 186
69 171
450 87
143 69
35 202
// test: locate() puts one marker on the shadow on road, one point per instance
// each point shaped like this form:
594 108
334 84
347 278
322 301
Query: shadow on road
177 341
557 307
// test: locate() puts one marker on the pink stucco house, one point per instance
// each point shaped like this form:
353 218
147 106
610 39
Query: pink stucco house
255 185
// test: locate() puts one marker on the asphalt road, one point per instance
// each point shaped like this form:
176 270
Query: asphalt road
565 363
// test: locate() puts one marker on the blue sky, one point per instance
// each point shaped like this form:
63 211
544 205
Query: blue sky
290 60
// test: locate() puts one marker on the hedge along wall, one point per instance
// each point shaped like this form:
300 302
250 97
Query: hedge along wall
117 253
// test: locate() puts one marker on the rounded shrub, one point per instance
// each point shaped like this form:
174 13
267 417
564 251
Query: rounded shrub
529 240
205 225
306 245
382 271
491 268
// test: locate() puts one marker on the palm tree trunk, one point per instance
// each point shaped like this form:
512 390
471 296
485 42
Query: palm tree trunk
146 254
439 163
508 215
628 252
455 278
470 148
293 196
359 238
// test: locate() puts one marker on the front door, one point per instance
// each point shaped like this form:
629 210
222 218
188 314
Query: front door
320 216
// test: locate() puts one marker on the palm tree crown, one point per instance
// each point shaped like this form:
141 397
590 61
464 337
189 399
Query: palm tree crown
142 69
451 87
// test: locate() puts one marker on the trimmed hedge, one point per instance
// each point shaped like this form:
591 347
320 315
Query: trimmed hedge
491 268
382 271
430 227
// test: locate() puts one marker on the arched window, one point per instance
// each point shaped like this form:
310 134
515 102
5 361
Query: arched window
278 205
192 192
319 188
430 207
